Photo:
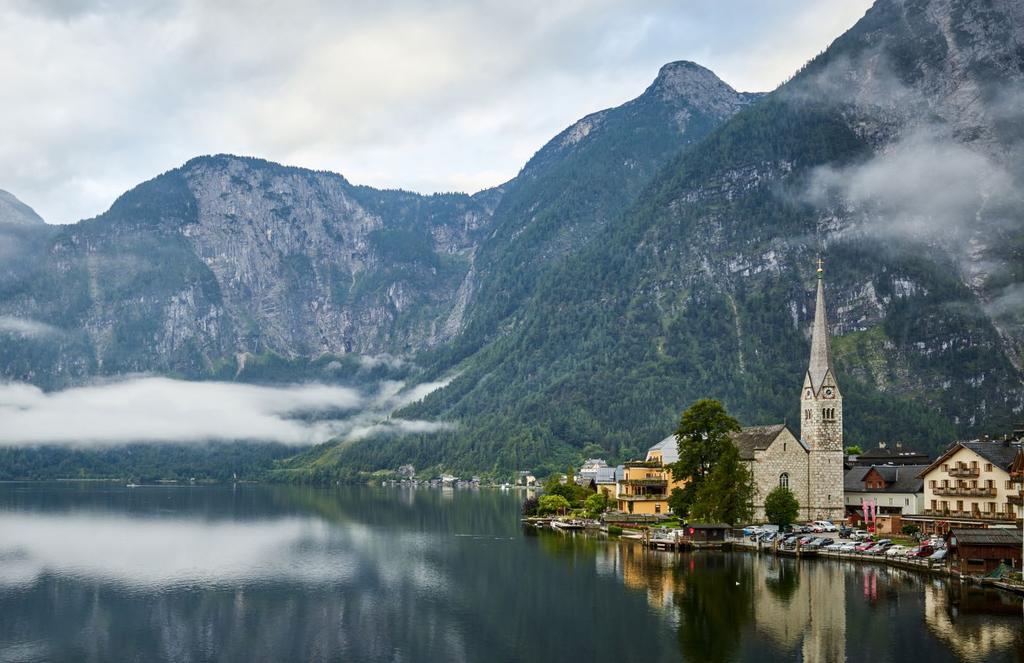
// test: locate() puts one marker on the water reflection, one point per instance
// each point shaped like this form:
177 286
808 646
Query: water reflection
975 622
367 574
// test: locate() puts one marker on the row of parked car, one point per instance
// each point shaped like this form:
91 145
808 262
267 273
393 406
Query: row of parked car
815 527
934 549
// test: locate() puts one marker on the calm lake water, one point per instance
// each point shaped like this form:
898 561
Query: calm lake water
106 573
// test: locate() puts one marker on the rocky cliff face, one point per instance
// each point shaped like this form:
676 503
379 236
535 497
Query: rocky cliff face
226 257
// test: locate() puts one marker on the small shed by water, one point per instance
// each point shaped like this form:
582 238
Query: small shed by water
708 532
980 551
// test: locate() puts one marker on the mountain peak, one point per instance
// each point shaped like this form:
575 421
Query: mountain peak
688 83
15 212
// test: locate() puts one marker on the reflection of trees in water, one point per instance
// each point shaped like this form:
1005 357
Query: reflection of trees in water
715 600
783 578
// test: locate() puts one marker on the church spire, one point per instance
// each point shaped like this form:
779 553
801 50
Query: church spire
821 358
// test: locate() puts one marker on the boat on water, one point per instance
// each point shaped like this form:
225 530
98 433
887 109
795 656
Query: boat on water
568 524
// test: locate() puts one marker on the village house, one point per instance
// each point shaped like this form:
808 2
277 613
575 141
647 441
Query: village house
970 486
644 486
894 489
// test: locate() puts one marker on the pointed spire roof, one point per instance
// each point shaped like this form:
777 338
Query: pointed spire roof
821 358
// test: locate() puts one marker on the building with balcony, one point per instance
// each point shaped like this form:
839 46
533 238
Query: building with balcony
645 486
971 486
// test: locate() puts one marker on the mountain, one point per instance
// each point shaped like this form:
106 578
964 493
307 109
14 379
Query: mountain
580 181
893 155
227 260
15 212
649 255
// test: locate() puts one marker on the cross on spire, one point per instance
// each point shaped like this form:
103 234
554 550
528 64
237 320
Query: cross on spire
821 267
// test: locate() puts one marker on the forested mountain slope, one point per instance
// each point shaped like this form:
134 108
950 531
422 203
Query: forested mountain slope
892 155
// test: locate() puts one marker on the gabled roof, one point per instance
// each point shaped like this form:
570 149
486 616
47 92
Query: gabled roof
990 537
998 452
757 438
669 448
898 479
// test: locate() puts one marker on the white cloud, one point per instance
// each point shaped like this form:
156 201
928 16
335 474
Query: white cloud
163 410
926 185
26 327
422 95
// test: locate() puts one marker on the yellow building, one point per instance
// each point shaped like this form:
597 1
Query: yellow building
970 485
645 485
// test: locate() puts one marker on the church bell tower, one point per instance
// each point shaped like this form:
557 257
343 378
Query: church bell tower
821 418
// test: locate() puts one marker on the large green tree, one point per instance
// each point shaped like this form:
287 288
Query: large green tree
781 507
727 494
702 436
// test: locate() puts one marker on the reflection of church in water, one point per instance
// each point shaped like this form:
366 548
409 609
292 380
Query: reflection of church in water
790 607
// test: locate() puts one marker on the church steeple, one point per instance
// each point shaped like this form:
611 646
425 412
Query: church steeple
821 358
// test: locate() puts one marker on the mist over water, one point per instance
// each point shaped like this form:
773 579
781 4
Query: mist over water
246 573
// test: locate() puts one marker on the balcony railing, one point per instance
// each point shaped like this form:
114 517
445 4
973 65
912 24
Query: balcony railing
642 497
1015 499
964 471
646 482
970 515
964 491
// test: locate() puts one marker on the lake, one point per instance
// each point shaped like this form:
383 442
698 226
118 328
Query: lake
98 572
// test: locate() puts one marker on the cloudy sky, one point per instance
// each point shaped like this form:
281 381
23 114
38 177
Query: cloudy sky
429 96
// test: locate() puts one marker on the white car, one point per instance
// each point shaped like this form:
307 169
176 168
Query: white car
896 551
825 525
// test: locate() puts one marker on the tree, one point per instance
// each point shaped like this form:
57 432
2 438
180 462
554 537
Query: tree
727 494
781 507
677 501
596 504
853 450
702 435
530 506
552 504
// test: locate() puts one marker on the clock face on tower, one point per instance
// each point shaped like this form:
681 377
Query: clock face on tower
830 392
808 393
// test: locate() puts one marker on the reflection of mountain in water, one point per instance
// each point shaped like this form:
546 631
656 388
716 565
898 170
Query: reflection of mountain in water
975 622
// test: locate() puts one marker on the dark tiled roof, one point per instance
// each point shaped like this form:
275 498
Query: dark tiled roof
883 455
991 537
898 479
996 452
755 438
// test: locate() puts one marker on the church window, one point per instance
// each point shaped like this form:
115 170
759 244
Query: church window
807 414
783 446
784 480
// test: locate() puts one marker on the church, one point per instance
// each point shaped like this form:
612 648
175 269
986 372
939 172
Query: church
810 465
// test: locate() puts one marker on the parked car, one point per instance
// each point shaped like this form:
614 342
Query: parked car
825 525
896 551
938 555
845 532
848 548
925 550
865 545
834 546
